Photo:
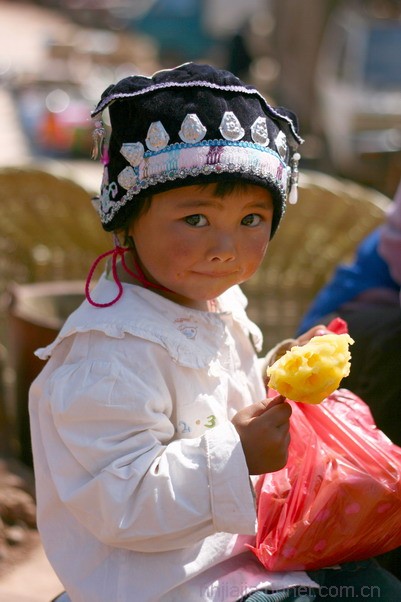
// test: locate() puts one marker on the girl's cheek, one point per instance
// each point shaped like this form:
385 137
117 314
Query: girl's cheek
182 247
257 249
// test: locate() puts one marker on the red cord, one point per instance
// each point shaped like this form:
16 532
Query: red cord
139 275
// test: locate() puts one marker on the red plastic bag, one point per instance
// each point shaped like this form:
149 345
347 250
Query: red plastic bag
339 497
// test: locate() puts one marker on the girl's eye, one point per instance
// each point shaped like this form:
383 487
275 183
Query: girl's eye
198 220
252 220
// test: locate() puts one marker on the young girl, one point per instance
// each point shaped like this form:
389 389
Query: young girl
150 415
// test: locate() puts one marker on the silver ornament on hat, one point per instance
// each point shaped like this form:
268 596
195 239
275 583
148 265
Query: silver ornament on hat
230 127
98 136
192 129
294 176
281 144
259 131
157 137
127 178
133 152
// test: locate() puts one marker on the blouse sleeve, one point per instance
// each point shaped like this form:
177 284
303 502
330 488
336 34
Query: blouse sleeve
390 243
120 470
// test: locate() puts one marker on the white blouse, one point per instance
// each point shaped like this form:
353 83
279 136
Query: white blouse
143 491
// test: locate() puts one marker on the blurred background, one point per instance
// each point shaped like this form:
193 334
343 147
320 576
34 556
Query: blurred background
336 64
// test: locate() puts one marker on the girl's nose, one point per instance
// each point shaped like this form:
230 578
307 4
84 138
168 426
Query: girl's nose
222 249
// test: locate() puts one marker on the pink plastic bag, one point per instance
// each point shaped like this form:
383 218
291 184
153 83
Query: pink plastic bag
339 497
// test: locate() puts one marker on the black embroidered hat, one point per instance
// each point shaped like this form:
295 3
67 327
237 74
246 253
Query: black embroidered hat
193 124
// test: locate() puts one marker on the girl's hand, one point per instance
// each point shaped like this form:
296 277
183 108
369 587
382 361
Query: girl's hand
316 331
336 325
263 428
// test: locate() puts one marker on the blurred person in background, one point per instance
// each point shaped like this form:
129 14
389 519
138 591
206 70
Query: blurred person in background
366 294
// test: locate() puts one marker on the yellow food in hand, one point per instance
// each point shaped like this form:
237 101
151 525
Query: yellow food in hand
311 372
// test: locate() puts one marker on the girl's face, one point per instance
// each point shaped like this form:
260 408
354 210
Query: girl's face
198 245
